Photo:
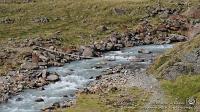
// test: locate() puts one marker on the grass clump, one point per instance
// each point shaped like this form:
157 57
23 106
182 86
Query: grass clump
119 101
183 87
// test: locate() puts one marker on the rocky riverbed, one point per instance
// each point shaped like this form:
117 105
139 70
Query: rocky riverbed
24 62
76 75
124 72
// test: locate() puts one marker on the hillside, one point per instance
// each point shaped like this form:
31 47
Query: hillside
37 36
181 58
77 20
178 70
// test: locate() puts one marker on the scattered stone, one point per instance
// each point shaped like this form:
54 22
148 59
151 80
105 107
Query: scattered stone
113 89
44 73
119 11
176 38
53 77
102 28
29 66
66 96
97 67
41 88
7 21
41 20
144 51
39 100
88 52
19 99
109 46
98 77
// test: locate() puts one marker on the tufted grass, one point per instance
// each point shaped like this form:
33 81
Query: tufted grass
183 87
97 103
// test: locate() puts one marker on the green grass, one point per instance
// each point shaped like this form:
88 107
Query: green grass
107 102
183 87
172 56
79 19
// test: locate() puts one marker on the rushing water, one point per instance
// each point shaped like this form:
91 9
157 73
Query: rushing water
74 76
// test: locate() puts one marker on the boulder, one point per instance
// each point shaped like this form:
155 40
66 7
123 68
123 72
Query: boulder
39 100
97 67
129 43
109 46
144 51
44 73
88 52
19 99
136 59
113 39
100 47
29 66
176 38
56 105
42 64
98 77
51 56
53 77
118 46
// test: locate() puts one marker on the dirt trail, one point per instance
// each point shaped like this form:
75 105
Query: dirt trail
149 83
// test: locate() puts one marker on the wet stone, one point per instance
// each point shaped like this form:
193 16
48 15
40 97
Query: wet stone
39 100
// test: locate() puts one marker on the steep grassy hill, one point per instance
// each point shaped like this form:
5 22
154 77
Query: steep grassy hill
173 56
76 20
178 70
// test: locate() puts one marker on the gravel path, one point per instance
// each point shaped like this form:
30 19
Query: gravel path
149 83
139 78
133 76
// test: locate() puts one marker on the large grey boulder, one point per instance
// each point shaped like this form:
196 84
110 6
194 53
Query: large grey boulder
88 52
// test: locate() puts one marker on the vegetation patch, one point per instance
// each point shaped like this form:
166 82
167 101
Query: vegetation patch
124 100
183 87
172 56
78 20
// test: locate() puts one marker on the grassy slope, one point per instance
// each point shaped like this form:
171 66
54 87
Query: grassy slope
79 18
108 102
172 56
184 86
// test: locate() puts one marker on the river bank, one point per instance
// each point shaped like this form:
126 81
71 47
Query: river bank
76 75
24 62
123 78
